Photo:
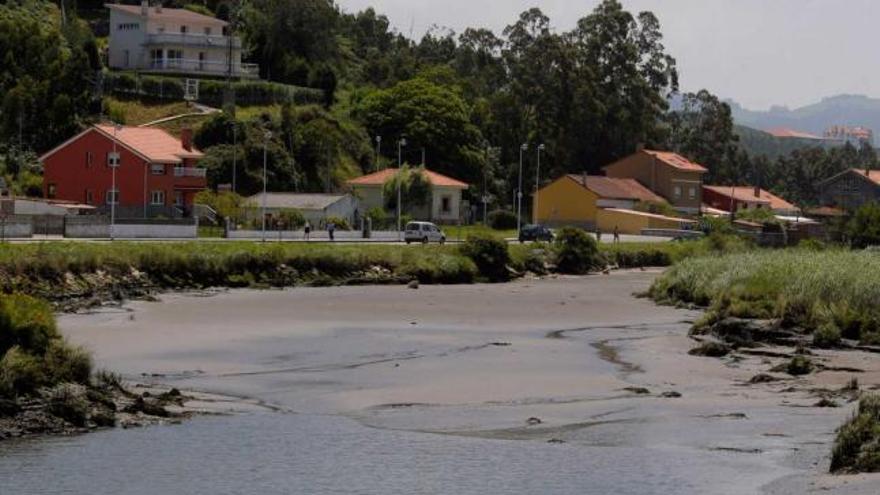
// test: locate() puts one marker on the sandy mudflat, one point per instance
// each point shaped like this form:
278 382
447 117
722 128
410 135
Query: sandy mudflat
481 360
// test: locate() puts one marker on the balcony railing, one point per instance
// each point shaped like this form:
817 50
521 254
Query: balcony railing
190 172
212 67
193 39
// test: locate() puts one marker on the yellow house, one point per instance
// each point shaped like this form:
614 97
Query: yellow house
576 199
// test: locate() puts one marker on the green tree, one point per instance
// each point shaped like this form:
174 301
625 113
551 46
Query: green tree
415 188
864 228
702 130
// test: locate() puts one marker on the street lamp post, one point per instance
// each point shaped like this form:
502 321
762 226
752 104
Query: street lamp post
519 193
267 135
400 144
537 185
485 192
378 150
116 163
234 153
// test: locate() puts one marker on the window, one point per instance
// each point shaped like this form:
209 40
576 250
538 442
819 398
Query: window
178 198
156 57
182 29
677 192
157 169
89 197
88 159
113 159
692 192
201 60
157 198
207 31
51 189
112 197
128 26
174 57
446 204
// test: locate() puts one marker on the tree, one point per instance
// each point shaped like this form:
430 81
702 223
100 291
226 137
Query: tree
864 228
702 130
429 116
415 188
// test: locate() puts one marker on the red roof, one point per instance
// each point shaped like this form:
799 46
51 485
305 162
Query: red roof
677 161
154 144
872 175
784 132
612 188
381 177
746 194
826 211
166 14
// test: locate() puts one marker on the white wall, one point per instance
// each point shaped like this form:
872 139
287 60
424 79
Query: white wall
131 40
16 227
437 213
34 207
320 235
155 231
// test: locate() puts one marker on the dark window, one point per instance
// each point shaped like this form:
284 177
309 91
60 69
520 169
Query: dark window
50 191
88 159
183 29
446 204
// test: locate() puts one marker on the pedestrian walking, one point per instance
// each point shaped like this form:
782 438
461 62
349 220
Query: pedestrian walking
331 228
616 235
308 229
598 235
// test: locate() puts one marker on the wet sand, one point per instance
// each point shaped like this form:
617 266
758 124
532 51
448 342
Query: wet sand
571 354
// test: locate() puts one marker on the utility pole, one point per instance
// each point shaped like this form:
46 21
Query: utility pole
378 151
400 144
519 192
234 152
267 135
537 185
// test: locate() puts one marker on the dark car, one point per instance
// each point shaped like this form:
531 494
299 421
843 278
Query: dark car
535 233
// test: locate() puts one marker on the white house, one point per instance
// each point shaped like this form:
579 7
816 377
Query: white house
316 208
178 41
444 205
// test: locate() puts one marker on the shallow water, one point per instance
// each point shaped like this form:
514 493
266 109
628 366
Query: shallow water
317 454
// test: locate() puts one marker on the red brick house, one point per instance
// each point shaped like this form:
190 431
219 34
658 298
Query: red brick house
156 173
726 198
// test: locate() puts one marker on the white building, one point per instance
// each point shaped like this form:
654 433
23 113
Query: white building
314 207
443 206
178 41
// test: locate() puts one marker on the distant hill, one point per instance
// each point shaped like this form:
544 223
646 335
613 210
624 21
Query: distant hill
849 110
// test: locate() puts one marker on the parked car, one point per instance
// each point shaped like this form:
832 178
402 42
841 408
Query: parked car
423 232
535 233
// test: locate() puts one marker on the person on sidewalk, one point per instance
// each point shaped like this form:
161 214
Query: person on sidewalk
331 228
616 235
308 229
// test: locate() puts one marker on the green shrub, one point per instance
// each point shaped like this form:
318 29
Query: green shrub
26 322
799 365
291 218
857 446
66 363
502 220
20 373
864 228
341 223
490 255
826 336
576 251
812 245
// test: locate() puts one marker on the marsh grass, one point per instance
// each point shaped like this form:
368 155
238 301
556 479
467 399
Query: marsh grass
835 289
857 447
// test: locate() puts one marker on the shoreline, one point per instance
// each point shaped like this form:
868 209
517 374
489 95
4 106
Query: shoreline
588 360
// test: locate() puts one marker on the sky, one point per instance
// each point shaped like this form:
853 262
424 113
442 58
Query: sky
757 52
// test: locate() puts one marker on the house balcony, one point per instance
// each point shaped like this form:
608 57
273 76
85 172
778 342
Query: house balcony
190 172
190 178
203 67
193 40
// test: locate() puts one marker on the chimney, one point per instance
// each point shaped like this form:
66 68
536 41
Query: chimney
145 7
186 139
757 192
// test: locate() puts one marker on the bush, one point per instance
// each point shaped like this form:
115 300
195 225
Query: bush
857 446
502 220
68 402
827 336
341 223
799 365
65 363
291 218
864 228
576 252
20 373
26 322
491 256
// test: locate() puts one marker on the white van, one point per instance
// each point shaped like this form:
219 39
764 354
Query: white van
423 232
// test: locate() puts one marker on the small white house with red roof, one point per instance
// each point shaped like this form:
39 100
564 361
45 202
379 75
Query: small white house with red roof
156 174
443 205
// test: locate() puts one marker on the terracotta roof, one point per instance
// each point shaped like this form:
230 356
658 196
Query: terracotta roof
154 144
784 132
677 161
612 188
872 175
746 194
166 14
381 177
826 211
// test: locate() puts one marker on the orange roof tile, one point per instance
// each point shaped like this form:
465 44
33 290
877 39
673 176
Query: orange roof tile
784 132
166 14
612 188
872 175
383 176
677 161
746 194
154 144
